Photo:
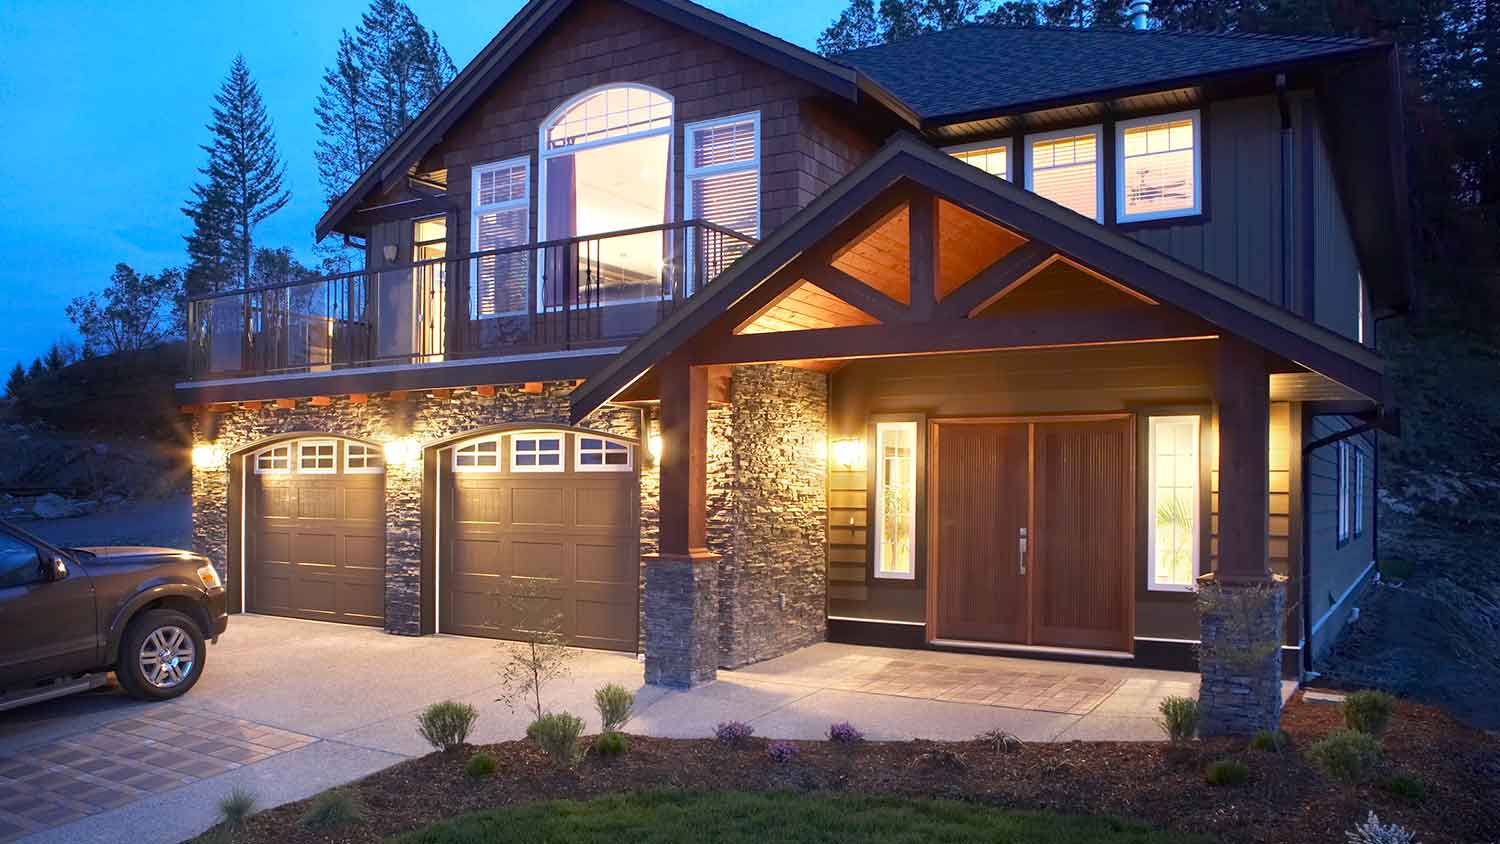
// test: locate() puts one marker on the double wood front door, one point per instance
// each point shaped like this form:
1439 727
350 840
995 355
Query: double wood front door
1032 531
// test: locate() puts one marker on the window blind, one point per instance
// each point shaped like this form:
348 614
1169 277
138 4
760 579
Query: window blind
501 220
1066 171
1158 169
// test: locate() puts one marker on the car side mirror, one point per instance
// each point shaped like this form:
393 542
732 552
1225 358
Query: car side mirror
58 570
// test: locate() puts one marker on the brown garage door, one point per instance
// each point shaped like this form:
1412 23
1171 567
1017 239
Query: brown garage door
542 532
316 532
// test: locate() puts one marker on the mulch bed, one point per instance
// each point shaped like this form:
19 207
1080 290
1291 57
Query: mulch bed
1285 799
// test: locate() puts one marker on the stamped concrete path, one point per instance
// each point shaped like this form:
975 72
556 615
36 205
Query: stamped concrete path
288 708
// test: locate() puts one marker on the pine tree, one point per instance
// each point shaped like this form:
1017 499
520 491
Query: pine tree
243 182
36 370
381 79
55 360
16 382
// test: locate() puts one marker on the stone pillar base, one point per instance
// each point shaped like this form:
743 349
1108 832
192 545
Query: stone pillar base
682 619
1240 655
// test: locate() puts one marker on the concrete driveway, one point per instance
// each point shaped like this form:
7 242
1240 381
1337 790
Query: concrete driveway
288 708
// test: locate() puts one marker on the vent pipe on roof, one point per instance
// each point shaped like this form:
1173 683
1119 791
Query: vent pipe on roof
1139 12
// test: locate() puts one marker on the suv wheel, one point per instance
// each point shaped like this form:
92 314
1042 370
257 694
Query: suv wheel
161 656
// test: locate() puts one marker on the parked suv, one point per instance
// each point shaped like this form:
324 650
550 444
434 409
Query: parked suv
68 616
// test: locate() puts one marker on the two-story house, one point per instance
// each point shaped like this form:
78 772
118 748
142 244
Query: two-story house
704 345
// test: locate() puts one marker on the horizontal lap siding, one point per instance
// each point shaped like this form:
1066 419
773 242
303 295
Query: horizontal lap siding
1333 569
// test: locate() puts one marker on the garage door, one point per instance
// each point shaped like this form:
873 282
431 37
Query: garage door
315 531
542 532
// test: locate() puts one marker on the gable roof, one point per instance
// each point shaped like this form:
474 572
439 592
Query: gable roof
984 69
531 22
906 158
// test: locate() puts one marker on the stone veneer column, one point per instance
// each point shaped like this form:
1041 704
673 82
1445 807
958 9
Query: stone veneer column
1240 656
403 550
682 620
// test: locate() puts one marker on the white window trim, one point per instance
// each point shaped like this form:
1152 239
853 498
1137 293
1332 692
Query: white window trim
1358 516
1197 208
562 450
475 210
372 451
1151 584
499 455
689 172
580 466
1342 479
1002 143
1097 130
541 186
880 569
290 453
297 456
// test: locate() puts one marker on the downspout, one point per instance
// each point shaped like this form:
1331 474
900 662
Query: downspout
1288 227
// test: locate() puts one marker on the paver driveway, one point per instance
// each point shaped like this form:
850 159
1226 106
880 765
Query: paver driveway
287 708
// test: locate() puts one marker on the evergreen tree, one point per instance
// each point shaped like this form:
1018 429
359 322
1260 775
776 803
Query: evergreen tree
384 74
16 382
36 370
55 360
243 183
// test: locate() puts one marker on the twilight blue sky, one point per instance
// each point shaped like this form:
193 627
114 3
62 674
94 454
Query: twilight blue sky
103 107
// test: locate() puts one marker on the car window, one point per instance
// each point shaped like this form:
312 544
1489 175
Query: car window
19 563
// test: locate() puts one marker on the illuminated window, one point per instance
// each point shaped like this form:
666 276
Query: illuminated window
597 454
895 500
276 460
501 219
1359 491
1344 454
478 456
1174 502
317 457
1064 167
1159 166
536 452
722 176
361 459
988 156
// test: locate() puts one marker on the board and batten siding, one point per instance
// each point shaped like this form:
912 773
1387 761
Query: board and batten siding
1334 570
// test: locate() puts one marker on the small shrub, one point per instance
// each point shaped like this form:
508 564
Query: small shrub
610 745
1000 740
1396 569
1270 741
447 725
335 807
733 733
480 765
1372 831
1347 755
236 806
1226 772
1405 786
782 751
615 705
1368 711
845 733
557 734
1179 718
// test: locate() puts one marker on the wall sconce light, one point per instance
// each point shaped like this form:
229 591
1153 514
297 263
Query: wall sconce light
389 251
405 452
848 453
653 445
210 457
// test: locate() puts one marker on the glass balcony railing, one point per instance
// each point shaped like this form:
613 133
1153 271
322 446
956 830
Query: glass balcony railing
577 293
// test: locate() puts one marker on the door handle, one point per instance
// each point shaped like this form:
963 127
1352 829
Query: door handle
1021 551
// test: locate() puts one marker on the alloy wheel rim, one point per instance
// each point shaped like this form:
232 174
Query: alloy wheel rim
167 657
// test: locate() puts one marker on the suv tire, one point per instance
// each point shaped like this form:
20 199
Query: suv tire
161 655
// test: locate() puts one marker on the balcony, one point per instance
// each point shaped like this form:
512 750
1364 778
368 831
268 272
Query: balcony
579 293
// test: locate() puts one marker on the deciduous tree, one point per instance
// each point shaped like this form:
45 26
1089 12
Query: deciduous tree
131 313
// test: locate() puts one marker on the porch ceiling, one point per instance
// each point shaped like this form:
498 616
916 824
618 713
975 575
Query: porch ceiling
915 253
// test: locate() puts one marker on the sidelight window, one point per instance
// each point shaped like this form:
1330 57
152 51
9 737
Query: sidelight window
1175 503
895 468
1359 491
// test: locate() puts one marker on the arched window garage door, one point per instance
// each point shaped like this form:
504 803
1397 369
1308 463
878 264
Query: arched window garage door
541 531
315 530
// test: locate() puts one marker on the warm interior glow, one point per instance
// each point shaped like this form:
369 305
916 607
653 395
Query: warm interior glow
403 452
653 445
209 457
848 453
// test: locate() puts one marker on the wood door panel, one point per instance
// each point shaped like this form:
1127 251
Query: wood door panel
981 505
1084 543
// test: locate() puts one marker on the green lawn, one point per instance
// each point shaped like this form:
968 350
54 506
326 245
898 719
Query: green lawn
783 818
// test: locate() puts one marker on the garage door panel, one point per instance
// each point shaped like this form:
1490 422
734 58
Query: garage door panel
480 556
278 502
530 613
364 553
310 548
534 507
364 505
605 507
611 622
317 503
539 558
478 506
362 600
611 563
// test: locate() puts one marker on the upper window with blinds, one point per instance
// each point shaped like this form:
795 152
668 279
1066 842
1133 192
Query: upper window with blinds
501 219
1064 167
722 173
1158 162
988 156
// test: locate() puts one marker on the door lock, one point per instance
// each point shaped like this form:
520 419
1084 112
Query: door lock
1021 551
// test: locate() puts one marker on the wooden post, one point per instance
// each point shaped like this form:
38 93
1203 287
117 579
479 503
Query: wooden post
684 467
923 243
1242 396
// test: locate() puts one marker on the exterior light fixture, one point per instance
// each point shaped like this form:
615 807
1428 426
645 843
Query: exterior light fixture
653 445
209 457
405 452
848 453
389 251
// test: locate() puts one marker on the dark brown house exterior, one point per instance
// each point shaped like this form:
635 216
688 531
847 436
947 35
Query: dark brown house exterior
689 341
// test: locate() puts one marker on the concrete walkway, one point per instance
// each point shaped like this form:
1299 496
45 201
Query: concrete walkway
353 694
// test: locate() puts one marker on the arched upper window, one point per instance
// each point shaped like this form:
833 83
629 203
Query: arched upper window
606 162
